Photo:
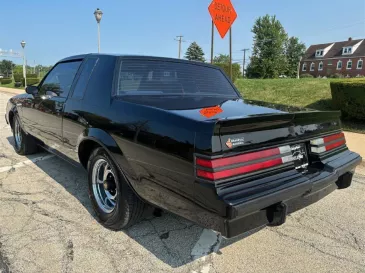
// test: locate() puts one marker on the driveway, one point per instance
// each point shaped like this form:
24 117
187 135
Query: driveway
47 225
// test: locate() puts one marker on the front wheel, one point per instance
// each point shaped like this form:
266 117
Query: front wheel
24 144
115 204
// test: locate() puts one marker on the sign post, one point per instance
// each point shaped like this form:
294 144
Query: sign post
223 16
212 44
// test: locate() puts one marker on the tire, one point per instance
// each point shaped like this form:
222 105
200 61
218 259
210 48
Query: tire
24 144
121 211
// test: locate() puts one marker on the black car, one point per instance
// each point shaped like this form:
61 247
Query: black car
178 135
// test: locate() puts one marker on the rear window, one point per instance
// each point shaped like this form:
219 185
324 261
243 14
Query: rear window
139 77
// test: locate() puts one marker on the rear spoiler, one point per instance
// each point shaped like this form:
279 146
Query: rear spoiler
271 121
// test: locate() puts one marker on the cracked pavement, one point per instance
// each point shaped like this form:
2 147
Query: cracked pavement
47 225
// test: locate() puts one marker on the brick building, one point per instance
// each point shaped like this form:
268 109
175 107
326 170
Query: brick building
346 58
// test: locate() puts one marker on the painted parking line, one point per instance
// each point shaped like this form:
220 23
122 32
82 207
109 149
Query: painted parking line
25 163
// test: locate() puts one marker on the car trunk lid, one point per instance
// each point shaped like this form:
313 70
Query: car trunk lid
261 143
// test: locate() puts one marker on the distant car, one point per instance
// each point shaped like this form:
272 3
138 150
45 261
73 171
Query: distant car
178 135
282 76
1 76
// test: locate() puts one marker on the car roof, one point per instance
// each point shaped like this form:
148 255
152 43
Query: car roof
83 56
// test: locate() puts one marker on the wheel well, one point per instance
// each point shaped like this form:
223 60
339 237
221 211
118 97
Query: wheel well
11 117
85 149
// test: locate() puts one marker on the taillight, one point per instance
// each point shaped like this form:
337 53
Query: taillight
324 144
221 168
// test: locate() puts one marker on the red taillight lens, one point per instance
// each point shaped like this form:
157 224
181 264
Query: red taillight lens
239 170
241 164
216 163
327 143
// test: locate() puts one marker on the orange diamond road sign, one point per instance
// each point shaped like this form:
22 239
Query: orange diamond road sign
223 15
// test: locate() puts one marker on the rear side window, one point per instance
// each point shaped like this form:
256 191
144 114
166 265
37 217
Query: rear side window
155 77
85 75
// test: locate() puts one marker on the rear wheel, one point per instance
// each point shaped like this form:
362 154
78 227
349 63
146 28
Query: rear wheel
24 144
114 202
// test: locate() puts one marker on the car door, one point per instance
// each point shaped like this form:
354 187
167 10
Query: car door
74 122
45 112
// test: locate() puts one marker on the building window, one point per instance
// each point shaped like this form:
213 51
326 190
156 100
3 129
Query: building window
339 65
329 62
347 50
349 64
360 64
320 66
312 66
304 68
319 52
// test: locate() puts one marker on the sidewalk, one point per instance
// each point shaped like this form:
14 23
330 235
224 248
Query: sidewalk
12 90
355 142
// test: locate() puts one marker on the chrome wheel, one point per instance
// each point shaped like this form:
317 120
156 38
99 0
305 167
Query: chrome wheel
104 186
17 134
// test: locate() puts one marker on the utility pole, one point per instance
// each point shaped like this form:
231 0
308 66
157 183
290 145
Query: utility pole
180 41
298 71
244 61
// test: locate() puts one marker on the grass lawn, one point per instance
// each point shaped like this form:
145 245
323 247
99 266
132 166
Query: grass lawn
11 85
308 93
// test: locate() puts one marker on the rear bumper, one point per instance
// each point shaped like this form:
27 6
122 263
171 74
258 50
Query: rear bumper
272 209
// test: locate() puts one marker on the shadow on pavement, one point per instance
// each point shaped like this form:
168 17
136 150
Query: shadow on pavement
170 238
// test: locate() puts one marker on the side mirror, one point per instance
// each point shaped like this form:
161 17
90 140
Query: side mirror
32 90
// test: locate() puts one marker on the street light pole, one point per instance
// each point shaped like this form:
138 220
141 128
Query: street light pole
98 14
24 68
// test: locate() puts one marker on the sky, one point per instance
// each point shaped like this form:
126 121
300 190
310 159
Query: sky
53 30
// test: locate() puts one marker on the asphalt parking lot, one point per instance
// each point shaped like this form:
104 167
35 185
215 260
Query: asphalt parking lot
47 225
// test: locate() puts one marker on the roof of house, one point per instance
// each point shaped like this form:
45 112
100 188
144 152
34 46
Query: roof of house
336 50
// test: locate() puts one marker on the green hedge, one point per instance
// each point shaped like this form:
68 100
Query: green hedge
305 76
5 81
336 76
33 76
236 70
30 81
349 97
19 77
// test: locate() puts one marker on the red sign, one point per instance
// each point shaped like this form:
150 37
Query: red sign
211 111
223 15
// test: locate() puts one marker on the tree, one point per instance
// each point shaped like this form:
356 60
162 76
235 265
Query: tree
221 58
294 51
18 69
268 58
236 70
6 67
222 61
195 53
